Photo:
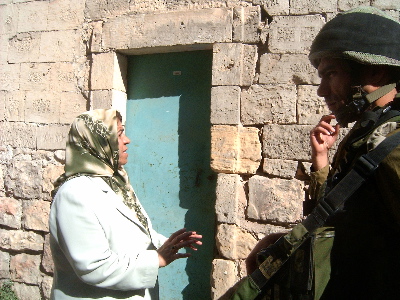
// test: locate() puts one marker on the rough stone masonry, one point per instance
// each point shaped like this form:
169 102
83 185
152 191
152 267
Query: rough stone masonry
60 58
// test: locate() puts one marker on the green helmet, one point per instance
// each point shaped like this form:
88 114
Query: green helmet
365 34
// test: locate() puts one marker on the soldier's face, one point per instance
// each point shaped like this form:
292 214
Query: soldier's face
336 82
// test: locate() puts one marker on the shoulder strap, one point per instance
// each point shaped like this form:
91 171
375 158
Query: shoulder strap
364 167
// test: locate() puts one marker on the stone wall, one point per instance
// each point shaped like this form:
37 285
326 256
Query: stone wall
59 58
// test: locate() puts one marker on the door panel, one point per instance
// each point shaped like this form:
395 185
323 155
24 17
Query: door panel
168 115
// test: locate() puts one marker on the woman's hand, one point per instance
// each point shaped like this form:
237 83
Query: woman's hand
322 138
168 252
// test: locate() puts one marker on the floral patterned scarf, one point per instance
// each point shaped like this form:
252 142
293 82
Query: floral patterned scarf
92 150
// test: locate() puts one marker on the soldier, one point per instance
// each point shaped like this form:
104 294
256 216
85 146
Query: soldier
357 55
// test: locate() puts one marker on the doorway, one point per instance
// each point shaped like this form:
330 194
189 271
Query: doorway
168 122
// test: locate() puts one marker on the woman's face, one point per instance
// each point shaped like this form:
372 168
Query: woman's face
123 140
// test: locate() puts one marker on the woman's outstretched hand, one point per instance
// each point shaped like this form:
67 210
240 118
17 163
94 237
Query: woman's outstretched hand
168 252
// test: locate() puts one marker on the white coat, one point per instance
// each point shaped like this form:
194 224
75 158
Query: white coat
99 247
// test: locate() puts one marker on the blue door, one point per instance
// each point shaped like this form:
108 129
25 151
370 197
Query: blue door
168 122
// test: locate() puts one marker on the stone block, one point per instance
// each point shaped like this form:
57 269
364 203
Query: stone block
4 265
246 24
344 5
280 168
46 284
35 76
235 149
293 34
386 4
264 104
287 69
62 77
72 104
18 240
9 77
50 175
3 47
310 107
275 200
14 106
205 26
32 16
26 137
225 105
25 47
8 20
36 215
3 99
104 9
275 7
223 278
227 198
47 259
234 64
233 242
304 7
42 107
23 179
10 212
59 46
52 137
101 99
25 268
65 14
286 142
102 78
26 292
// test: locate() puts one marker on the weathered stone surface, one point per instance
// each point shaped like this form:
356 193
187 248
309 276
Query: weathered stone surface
62 77
3 95
26 137
35 77
47 259
225 105
168 29
263 104
36 215
234 64
312 6
102 78
286 142
46 285
42 107
50 175
293 34
287 69
235 149
19 240
24 47
228 200
51 137
10 212
72 104
101 99
26 292
32 16
14 102
222 279
310 107
348 4
8 19
275 200
246 24
65 14
386 4
59 46
23 179
233 242
280 168
4 265
9 77
101 9
275 7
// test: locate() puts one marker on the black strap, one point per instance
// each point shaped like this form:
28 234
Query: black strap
364 167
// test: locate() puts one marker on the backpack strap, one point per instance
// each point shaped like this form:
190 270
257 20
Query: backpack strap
364 167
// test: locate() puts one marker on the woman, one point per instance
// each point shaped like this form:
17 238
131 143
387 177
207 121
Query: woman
102 241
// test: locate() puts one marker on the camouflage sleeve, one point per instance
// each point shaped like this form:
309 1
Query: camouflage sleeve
317 180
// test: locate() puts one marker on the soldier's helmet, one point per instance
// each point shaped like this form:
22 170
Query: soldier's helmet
366 35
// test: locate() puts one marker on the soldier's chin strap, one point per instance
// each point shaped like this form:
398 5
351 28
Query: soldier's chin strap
359 102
